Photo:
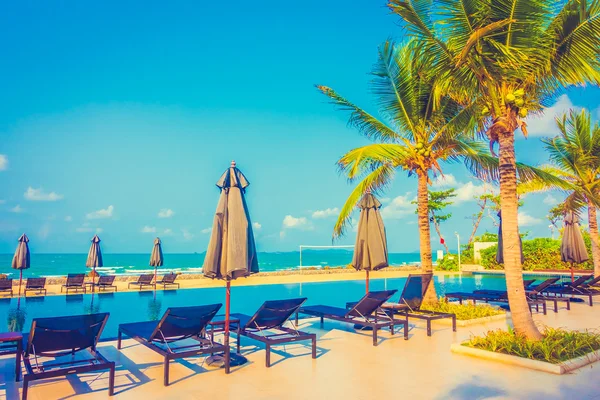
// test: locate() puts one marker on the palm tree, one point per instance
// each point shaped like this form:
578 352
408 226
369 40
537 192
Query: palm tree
575 154
417 132
509 56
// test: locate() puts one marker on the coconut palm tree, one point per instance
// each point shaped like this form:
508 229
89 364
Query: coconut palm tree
509 56
418 130
575 154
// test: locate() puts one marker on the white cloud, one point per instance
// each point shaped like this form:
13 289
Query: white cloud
550 200
68 218
447 180
467 191
17 209
32 194
545 125
282 235
44 231
148 229
3 162
206 230
2 201
99 230
187 235
256 226
166 213
290 222
527 220
329 212
399 207
385 200
103 213
84 229
168 232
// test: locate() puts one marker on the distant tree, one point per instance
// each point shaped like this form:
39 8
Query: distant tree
555 215
438 201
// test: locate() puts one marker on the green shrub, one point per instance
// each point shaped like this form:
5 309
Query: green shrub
464 311
539 253
467 255
448 263
557 345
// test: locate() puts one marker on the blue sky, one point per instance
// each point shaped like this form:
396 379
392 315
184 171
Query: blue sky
119 118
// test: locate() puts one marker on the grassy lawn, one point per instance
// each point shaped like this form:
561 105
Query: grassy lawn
557 346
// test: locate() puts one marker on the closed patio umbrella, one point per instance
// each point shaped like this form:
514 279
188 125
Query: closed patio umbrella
370 251
231 252
156 258
500 249
572 246
94 258
21 259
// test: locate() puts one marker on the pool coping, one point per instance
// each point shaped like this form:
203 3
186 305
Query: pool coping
476 321
557 369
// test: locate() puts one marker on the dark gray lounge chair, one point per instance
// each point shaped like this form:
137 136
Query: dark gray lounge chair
105 282
37 285
493 298
168 280
589 290
177 324
411 301
266 326
75 282
367 313
51 345
6 286
143 280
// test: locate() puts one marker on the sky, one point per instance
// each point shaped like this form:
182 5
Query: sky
119 117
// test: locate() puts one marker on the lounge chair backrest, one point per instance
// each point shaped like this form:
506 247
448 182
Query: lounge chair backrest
370 303
579 281
274 313
593 281
183 322
145 278
35 283
169 278
75 279
414 290
58 336
545 285
106 280
6 283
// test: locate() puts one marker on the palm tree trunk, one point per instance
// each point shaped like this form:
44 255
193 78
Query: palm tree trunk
521 316
593 221
425 233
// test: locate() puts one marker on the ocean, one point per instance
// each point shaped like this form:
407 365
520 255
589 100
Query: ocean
52 265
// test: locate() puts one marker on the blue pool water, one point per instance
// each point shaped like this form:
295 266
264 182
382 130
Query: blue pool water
146 305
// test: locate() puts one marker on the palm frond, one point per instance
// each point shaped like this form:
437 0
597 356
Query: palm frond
370 157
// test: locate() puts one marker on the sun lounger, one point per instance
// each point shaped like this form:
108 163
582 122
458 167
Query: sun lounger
52 343
176 325
367 313
534 293
588 290
74 282
168 280
143 280
579 281
37 285
105 282
266 326
411 300
6 286
493 298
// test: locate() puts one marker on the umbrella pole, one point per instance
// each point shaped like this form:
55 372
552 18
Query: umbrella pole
572 273
367 280
93 281
20 280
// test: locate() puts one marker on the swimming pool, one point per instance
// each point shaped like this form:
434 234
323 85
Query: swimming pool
148 305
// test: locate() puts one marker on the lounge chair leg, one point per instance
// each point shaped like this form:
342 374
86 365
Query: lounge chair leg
545 309
296 320
268 360
25 388
227 360
454 323
374 336
428 328
321 321
166 372
405 331
568 304
119 340
591 301
111 380
555 305
314 347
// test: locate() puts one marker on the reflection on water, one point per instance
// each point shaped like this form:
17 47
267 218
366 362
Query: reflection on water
16 319
154 309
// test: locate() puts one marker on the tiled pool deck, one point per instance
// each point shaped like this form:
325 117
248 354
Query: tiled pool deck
347 367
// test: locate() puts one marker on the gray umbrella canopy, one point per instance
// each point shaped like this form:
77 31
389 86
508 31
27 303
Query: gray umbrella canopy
94 258
156 258
572 246
231 251
500 250
370 251
21 259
